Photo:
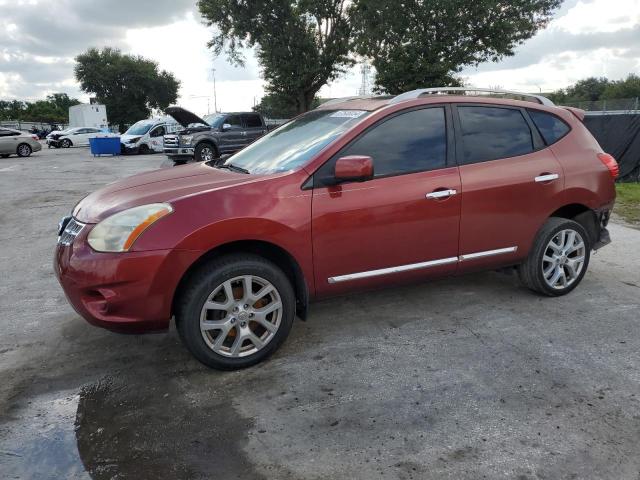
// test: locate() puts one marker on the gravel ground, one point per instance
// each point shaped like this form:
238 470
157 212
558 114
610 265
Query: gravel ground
465 378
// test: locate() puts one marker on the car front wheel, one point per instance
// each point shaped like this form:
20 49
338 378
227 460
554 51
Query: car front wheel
235 311
66 143
205 152
559 258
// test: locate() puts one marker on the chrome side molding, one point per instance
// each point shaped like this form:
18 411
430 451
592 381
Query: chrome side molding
418 266
488 253
387 271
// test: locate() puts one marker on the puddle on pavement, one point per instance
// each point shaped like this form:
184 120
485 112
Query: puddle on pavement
121 430
41 442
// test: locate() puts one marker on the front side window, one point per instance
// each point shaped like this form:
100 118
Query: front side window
234 121
297 142
410 142
551 127
139 128
490 133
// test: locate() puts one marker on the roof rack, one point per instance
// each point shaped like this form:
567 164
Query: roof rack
413 94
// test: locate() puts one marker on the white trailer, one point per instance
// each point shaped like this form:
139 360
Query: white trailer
88 115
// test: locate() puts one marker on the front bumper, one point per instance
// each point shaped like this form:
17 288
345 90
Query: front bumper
179 151
129 148
128 292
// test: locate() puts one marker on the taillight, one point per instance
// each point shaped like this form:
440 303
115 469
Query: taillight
610 163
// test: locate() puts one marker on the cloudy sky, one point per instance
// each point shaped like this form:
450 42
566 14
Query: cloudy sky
38 40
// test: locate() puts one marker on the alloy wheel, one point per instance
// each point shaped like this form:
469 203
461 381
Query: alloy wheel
563 259
241 316
207 154
24 150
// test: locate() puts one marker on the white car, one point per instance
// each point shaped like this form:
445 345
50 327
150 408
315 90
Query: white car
146 136
76 137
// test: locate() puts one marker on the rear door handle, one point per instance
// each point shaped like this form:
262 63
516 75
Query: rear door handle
441 194
547 177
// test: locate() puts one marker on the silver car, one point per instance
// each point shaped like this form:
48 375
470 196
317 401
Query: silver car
14 142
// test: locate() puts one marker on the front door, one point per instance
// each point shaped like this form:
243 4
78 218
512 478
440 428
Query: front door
510 184
233 136
400 225
156 136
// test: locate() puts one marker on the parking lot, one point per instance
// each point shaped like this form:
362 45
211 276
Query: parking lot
471 377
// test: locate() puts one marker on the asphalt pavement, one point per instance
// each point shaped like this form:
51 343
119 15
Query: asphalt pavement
465 378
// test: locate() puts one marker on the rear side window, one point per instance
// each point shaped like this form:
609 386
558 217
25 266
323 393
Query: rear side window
233 120
551 127
252 121
490 133
410 142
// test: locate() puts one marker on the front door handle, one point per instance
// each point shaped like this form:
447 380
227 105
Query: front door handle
547 177
438 194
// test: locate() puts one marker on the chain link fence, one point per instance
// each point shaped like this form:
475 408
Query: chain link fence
614 105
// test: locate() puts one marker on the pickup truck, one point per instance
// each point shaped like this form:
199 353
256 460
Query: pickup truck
210 137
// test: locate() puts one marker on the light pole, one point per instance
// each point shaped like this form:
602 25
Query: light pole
215 98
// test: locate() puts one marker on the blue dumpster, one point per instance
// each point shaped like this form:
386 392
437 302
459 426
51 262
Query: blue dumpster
105 145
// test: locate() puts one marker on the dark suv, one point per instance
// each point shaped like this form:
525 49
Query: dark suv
357 194
205 139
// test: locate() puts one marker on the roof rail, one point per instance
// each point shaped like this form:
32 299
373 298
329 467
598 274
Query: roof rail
433 91
343 99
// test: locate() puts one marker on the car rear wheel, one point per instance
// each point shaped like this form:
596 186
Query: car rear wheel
205 152
235 311
66 143
23 150
559 258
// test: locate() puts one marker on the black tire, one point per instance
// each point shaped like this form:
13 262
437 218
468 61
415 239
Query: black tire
205 152
204 281
144 149
24 150
66 143
531 271
5 155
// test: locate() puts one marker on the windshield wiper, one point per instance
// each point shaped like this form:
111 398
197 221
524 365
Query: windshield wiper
234 168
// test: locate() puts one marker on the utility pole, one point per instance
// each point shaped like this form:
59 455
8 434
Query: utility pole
215 98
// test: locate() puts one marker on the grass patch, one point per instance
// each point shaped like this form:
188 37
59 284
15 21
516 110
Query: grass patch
628 202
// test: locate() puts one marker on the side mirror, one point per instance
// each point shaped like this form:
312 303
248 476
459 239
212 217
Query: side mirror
226 126
354 168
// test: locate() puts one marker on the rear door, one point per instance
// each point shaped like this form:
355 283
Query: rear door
510 183
400 225
254 127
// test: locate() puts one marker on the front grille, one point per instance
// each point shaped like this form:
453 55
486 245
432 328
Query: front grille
171 141
71 231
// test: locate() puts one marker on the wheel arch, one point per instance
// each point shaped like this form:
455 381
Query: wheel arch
208 141
582 214
267 250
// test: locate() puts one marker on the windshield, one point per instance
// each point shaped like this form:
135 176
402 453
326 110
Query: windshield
214 120
139 128
296 142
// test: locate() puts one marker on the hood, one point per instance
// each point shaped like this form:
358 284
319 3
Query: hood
163 185
126 138
184 117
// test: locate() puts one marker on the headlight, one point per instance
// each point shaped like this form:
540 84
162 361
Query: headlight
133 140
186 140
118 232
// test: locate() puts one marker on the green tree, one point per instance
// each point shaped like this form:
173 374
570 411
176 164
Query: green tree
426 43
627 88
130 86
55 109
280 106
300 44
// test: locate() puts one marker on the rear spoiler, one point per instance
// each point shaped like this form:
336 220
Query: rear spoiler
578 113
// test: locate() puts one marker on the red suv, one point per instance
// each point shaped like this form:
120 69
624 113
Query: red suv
357 194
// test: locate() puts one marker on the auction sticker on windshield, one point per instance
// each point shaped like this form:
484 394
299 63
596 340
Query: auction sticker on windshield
348 113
